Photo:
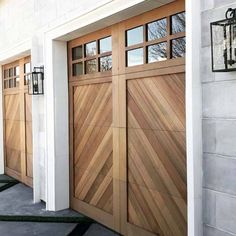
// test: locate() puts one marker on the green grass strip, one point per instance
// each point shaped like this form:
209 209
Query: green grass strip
49 219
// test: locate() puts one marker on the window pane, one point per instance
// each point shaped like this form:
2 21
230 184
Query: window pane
90 49
157 29
17 81
27 68
16 71
105 45
77 53
5 73
6 84
10 83
14 82
134 36
90 66
178 23
135 57
77 69
105 63
26 79
178 47
157 52
10 72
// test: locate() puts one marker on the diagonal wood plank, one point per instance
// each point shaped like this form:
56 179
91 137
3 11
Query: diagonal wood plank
93 145
157 188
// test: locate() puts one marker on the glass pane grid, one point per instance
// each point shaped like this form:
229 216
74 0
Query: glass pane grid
156 45
10 76
97 57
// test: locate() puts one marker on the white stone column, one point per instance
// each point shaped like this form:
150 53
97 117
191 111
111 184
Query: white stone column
38 126
194 117
57 125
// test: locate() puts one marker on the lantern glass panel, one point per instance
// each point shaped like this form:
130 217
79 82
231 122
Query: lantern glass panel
35 83
224 45
40 83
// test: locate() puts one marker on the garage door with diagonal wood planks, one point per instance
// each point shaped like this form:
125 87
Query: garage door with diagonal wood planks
127 124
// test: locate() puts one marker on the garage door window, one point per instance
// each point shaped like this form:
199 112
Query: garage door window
156 41
11 77
92 57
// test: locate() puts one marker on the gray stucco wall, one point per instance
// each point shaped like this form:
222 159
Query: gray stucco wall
219 133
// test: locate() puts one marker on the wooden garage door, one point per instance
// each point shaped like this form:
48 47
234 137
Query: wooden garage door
91 132
17 121
127 124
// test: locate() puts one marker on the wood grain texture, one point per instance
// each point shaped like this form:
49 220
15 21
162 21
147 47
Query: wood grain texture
18 127
93 145
12 132
157 188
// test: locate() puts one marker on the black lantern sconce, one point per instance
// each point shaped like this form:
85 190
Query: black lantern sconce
223 43
35 83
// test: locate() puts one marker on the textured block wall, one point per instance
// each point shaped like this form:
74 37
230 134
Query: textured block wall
219 133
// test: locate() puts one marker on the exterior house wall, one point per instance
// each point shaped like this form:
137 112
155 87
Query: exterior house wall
219 133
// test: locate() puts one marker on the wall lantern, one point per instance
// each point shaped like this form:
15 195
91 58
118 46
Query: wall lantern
35 84
223 43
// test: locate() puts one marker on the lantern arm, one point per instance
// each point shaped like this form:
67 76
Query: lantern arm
39 69
230 13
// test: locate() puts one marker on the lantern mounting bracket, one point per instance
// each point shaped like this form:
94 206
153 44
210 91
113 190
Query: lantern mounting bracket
230 13
39 69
